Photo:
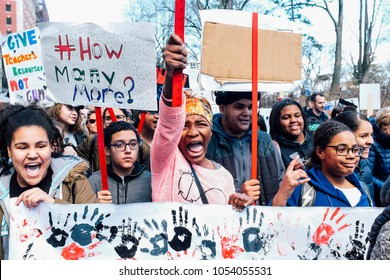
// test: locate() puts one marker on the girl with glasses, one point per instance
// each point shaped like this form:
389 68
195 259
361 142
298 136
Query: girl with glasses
332 181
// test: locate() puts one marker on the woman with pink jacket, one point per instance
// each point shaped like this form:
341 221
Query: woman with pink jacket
180 170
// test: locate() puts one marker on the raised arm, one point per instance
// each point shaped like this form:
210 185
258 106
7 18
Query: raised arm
175 58
292 179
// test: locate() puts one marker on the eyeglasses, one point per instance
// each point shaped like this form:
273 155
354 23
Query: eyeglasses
343 150
91 121
118 118
121 146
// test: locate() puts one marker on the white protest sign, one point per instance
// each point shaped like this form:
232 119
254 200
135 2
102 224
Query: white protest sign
369 97
113 65
24 68
171 231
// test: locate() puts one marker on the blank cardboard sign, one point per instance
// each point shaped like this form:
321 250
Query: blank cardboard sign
227 54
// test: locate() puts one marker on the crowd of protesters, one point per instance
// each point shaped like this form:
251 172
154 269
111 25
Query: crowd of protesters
188 154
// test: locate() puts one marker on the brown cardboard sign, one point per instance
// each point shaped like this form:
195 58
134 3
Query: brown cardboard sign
227 54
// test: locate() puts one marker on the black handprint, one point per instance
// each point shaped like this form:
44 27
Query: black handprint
159 240
129 243
207 246
182 239
82 233
313 250
253 239
58 236
358 242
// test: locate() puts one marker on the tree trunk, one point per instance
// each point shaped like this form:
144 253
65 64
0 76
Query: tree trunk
335 87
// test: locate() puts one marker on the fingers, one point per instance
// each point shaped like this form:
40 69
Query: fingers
31 198
302 181
292 164
104 196
174 39
299 165
175 53
251 188
239 201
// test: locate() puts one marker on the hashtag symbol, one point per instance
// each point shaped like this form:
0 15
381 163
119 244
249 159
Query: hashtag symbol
64 48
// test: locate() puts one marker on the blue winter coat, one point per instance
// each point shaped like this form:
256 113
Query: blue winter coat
379 160
326 193
363 171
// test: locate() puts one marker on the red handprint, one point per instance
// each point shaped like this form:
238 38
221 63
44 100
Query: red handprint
229 249
27 229
325 230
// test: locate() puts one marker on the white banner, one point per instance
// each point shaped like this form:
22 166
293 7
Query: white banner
148 231
113 65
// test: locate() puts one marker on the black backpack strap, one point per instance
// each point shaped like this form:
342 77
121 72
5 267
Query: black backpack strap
199 185
308 195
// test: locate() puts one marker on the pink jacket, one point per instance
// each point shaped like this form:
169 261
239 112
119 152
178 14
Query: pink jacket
172 179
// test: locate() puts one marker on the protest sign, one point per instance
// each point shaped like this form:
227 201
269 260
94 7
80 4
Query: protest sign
112 65
227 46
172 231
24 68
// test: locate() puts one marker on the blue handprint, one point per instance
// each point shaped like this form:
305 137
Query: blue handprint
159 240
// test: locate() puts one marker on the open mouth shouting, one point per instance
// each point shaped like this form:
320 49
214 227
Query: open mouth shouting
195 148
32 169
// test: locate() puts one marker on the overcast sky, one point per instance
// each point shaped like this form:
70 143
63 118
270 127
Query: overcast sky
100 11
97 11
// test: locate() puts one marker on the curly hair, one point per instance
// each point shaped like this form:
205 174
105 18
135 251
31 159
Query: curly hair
55 112
322 137
274 118
16 116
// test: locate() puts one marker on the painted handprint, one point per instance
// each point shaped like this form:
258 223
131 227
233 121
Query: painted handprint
287 227
28 230
254 240
181 241
327 229
320 245
58 235
129 242
159 238
207 246
83 232
358 242
230 249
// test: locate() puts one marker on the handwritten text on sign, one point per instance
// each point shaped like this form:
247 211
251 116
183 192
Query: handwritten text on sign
185 231
107 66
23 66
